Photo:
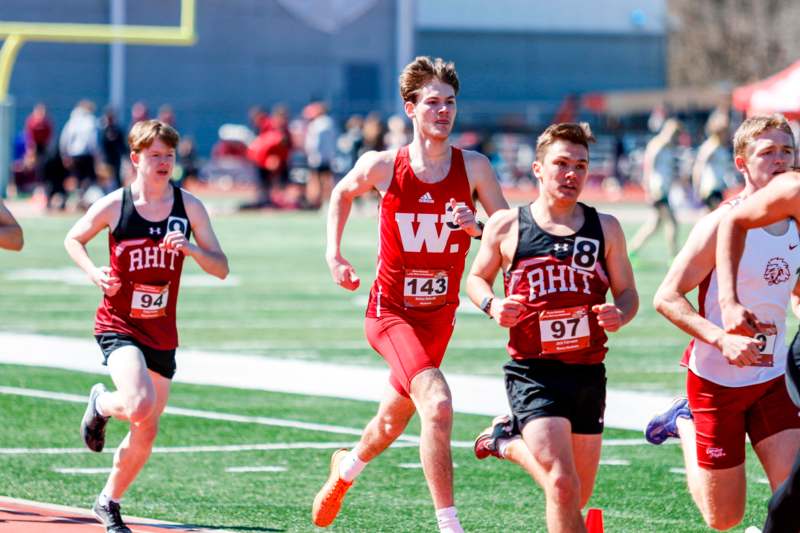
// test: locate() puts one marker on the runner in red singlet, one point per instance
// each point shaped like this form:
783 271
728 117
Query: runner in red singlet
149 226
559 258
426 221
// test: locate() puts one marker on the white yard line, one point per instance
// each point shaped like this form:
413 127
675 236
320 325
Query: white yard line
471 394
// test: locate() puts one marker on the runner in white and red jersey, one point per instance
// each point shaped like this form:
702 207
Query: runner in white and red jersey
559 257
149 226
735 382
426 221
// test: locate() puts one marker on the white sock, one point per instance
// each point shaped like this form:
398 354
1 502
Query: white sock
503 444
351 466
447 519
104 498
98 404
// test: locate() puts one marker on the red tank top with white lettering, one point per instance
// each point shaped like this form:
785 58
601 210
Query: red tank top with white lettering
561 277
145 305
421 252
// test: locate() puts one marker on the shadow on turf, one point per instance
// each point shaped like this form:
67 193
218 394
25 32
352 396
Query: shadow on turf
192 527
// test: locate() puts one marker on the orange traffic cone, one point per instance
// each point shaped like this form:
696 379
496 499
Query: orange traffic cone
594 521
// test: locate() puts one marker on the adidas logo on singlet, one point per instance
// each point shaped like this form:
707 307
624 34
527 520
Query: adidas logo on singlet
426 198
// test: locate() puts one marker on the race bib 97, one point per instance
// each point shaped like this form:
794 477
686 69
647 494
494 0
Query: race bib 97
149 301
564 330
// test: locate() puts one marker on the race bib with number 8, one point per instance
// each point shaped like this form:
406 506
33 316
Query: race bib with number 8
564 330
422 288
149 301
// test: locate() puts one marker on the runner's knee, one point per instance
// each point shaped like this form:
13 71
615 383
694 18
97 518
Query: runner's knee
139 407
564 489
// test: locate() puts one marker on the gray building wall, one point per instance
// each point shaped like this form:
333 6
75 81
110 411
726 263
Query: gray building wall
527 75
256 52
248 52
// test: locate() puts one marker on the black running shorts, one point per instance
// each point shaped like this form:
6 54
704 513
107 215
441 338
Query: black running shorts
538 389
159 361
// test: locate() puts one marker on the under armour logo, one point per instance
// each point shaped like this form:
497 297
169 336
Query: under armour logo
560 247
155 231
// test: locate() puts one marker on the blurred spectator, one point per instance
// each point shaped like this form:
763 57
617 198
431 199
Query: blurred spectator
78 144
660 171
397 136
55 176
139 112
113 147
186 164
713 173
658 115
167 115
269 152
350 142
320 147
38 133
373 134
257 117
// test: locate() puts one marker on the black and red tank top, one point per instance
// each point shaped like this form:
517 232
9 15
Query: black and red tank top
421 251
562 277
145 305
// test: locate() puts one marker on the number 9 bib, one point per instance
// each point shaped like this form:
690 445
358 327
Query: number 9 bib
564 330
149 301
425 288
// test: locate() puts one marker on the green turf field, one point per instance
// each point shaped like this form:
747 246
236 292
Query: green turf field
281 302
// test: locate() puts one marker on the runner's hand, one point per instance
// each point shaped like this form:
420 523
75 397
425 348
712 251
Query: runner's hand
609 317
740 350
176 240
103 278
343 273
464 218
508 311
738 319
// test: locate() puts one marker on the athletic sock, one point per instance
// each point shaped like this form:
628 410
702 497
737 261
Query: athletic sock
447 519
104 498
97 404
503 444
351 466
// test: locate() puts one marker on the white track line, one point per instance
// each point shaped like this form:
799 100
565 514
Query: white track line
82 471
244 469
483 395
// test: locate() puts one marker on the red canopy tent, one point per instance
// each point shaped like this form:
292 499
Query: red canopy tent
779 93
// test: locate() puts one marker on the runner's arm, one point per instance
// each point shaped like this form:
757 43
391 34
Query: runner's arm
778 200
373 170
693 264
207 252
488 262
10 230
485 183
620 273
99 216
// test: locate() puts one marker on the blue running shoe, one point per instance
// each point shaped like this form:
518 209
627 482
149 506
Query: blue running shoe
665 425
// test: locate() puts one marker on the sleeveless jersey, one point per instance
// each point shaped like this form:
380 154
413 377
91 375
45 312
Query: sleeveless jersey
766 276
562 278
421 251
144 307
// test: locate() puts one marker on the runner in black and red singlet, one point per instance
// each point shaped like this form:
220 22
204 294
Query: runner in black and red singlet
559 258
149 226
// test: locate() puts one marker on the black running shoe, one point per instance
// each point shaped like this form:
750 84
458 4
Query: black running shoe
110 517
93 426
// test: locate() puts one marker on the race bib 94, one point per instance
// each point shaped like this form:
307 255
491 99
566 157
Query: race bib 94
149 301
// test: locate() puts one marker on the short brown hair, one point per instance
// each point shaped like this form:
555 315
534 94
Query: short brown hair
579 133
755 126
422 70
145 132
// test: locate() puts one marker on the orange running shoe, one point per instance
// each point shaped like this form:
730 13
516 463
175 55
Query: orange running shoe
329 498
